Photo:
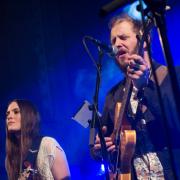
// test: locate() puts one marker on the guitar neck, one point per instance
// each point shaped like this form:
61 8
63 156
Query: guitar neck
124 104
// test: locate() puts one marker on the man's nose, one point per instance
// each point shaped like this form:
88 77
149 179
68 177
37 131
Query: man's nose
118 42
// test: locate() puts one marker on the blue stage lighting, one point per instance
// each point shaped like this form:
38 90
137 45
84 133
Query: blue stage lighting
132 10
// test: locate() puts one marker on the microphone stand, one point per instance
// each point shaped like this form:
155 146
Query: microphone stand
157 9
95 122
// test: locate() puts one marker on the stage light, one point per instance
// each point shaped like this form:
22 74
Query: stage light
132 10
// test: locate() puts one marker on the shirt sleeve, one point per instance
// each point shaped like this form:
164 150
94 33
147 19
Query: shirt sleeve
47 155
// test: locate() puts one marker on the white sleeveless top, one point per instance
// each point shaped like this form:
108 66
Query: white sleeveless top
46 156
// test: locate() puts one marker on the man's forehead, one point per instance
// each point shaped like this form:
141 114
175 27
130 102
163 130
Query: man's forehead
124 27
123 23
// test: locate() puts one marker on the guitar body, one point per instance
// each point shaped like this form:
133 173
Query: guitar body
126 147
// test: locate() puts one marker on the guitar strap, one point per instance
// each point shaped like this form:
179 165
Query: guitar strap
161 73
30 161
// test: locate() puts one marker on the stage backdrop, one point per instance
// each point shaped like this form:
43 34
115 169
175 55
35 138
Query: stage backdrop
42 59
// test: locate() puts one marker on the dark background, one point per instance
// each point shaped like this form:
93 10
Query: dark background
42 59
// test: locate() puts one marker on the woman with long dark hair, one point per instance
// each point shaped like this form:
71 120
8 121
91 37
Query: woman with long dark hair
28 155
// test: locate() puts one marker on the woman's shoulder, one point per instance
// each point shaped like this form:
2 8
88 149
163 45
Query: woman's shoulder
47 139
49 143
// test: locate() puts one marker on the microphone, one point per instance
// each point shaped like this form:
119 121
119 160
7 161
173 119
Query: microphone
110 50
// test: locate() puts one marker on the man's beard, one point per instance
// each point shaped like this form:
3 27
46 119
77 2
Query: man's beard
123 66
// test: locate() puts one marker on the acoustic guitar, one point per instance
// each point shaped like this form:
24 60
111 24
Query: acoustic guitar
124 137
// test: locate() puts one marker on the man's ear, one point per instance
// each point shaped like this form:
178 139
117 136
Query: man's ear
140 37
145 43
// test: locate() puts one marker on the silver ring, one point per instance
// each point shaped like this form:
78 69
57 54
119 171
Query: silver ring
136 66
133 71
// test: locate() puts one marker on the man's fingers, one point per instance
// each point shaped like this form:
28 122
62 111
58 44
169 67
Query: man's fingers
132 72
97 146
137 59
108 144
107 139
104 129
111 148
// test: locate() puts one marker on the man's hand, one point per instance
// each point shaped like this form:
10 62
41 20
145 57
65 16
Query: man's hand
138 71
109 144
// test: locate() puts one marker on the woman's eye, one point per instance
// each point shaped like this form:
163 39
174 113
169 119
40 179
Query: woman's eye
16 111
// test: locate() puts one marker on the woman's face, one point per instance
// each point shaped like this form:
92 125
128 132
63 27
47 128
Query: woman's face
13 117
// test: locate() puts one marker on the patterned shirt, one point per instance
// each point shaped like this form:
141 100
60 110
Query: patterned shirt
147 166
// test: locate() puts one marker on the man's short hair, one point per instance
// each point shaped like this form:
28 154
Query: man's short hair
137 24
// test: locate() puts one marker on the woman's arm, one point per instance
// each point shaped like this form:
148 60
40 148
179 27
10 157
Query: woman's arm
60 168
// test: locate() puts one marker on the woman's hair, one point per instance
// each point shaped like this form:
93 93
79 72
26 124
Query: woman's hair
16 149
